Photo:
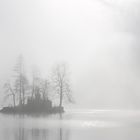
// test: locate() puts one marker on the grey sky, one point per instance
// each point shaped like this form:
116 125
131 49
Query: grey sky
98 38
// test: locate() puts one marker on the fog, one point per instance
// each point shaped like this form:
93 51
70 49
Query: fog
99 39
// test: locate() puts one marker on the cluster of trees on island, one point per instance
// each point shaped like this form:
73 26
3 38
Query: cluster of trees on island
36 94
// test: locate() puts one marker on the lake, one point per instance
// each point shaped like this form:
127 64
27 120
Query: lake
73 125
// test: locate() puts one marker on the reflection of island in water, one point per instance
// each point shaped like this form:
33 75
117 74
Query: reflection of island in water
77 126
34 132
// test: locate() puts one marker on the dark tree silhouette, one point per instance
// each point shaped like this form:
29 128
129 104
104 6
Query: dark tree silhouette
35 82
37 96
10 92
61 83
44 89
21 81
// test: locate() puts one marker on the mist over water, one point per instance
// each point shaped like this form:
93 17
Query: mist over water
98 39
98 125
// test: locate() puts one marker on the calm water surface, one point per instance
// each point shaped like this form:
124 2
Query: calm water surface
90 125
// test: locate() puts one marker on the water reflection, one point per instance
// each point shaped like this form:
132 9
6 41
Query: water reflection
97 126
22 130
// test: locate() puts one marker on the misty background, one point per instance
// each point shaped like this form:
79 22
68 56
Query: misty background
99 39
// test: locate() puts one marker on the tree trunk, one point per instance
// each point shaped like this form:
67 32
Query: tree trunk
14 100
61 97
13 94
20 91
33 88
23 96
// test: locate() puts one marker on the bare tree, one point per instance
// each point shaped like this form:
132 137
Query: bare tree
61 83
21 81
25 87
36 79
44 88
8 89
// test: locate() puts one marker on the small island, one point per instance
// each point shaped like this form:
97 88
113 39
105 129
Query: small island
36 105
37 95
